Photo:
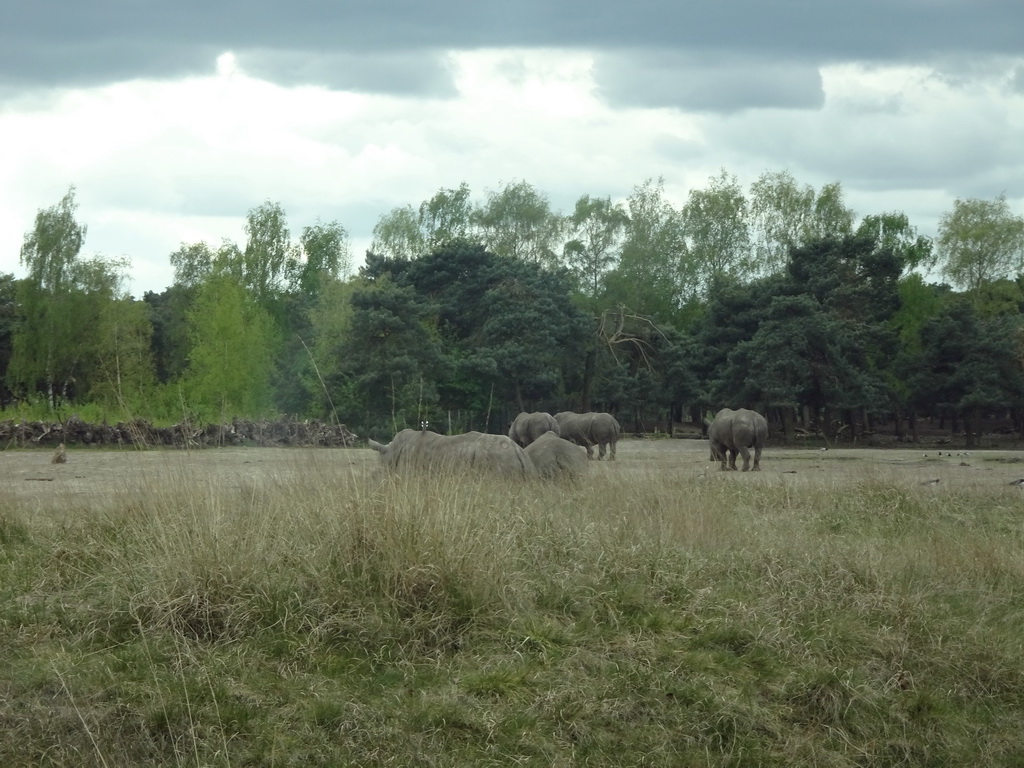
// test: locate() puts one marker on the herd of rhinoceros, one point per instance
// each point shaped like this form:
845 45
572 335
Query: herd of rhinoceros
559 446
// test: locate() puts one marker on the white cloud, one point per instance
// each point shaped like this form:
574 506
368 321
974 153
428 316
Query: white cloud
161 162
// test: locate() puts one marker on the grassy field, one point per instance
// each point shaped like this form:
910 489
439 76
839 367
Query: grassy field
263 607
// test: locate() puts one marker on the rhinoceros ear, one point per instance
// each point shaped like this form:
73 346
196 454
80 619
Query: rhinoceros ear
375 445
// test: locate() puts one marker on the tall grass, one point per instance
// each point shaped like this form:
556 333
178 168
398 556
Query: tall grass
337 617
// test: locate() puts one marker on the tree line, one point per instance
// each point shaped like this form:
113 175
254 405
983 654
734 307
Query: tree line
468 311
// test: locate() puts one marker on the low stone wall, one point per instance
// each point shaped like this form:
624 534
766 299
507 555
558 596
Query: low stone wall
140 433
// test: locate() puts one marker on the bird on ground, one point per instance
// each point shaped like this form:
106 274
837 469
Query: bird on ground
931 483
1018 483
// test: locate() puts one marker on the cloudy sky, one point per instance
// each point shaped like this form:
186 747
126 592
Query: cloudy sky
172 120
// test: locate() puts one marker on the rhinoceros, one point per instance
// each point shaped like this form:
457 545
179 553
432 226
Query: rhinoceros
527 427
590 429
423 450
555 457
733 432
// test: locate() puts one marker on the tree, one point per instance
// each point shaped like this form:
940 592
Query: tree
968 364
51 249
168 316
596 227
47 347
517 221
892 230
505 329
391 356
446 216
330 322
717 232
980 241
404 233
787 215
124 377
9 319
192 264
232 351
268 251
529 328
648 279
819 335
397 234
324 254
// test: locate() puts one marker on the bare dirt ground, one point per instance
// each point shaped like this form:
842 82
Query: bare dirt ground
92 474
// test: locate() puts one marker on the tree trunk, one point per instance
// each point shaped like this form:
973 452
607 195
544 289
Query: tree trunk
826 427
589 365
901 432
789 434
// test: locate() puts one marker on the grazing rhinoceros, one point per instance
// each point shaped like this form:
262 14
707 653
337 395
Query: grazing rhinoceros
527 427
733 432
590 429
554 457
413 450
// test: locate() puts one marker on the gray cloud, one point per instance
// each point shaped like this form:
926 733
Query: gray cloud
706 83
78 43
420 73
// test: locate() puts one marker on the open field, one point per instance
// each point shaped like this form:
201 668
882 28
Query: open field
97 473
294 607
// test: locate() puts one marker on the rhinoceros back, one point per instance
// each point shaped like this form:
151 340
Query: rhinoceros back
413 450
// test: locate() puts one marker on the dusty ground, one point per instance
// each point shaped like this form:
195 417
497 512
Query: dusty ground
28 475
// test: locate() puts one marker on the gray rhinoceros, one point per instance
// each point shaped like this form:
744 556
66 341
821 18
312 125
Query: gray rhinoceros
555 457
423 450
590 429
733 432
527 427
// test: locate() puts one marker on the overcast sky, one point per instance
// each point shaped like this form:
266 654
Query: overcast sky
173 120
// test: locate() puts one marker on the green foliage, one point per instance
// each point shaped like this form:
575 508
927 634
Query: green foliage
968 362
51 249
517 222
497 328
716 224
648 279
893 231
390 354
8 326
123 375
268 252
596 227
324 256
980 241
192 264
168 314
46 349
787 215
397 235
820 335
232 353
760 298
446 217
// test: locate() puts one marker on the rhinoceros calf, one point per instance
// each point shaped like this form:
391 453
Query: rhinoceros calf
527 427
733 432
421 450
555 457
590 429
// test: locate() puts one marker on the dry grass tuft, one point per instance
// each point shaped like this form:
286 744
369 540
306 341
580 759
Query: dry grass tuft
336 616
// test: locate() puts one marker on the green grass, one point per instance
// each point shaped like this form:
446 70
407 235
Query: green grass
646 618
